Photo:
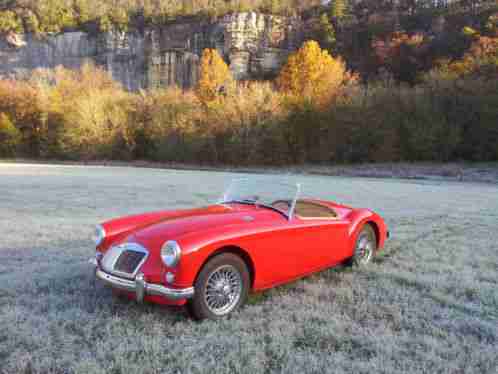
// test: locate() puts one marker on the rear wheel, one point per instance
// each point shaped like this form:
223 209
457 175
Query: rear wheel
365 246
221 287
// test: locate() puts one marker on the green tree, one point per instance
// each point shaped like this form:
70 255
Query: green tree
10 136
338 9
82 9
9 21
31 22
327 34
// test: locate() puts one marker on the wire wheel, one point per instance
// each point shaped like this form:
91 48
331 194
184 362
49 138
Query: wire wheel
365 246
223 290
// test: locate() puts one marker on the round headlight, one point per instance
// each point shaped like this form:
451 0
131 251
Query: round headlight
171 253
99 235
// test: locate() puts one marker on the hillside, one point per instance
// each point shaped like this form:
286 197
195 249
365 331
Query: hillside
153 44
366 82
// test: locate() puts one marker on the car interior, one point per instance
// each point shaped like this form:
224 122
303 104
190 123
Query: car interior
306 209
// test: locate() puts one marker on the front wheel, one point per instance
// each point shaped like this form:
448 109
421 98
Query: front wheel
221 287
365 246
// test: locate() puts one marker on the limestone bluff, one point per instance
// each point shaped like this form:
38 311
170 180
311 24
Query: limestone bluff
253 44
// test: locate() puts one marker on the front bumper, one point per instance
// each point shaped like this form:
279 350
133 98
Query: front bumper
141 288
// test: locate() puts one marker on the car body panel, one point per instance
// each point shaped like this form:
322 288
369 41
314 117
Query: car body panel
279 249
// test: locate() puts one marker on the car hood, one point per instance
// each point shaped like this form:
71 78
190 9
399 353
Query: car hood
184 222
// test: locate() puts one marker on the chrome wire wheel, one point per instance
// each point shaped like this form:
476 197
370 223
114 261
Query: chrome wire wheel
223 290
365 247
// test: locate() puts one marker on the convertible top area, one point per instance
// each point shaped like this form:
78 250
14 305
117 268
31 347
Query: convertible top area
307 209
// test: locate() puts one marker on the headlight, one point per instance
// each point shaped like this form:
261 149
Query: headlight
171 253
99 235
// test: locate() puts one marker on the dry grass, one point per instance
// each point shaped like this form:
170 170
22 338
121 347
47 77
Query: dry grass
429 304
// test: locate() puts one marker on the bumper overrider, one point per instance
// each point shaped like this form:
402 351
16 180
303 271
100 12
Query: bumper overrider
140 287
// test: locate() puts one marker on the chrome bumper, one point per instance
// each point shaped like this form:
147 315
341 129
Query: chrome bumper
141 288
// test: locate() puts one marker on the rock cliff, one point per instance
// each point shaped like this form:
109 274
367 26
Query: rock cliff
254 45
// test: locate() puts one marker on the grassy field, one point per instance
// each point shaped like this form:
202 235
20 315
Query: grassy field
428 304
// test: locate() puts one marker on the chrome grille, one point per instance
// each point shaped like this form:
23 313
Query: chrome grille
128 261
124 260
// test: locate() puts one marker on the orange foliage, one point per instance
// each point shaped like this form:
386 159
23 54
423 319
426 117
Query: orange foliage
402 54
215 76
312 74
481 60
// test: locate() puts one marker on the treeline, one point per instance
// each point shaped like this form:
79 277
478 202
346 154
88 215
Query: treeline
316 111
51 16
45 16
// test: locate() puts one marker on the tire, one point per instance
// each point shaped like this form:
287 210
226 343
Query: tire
221 287
365 247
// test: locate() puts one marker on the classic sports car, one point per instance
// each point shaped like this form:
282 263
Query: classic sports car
210 258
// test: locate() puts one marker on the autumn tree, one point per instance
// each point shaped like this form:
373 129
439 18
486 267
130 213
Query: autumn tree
312 74
215 76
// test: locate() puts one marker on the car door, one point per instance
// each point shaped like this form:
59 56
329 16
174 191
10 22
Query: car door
296 248
323 242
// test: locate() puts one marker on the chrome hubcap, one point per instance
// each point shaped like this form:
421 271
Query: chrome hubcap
364 250
223 290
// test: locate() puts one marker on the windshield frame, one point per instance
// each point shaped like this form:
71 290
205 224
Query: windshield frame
292 202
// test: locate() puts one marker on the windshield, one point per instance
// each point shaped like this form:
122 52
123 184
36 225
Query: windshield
274 195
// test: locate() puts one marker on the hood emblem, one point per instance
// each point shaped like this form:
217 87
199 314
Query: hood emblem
248 218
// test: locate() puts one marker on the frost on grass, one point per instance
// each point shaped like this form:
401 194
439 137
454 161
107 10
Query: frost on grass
429 303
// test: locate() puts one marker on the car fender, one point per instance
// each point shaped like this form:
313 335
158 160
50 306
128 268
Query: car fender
359 218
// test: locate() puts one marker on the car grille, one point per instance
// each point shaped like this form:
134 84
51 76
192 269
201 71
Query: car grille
124 260
128 261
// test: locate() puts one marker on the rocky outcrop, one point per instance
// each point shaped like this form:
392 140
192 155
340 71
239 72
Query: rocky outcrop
254 45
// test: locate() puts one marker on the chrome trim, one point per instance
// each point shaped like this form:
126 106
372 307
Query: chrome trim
294 202
223 290
288 215
141 288
177 253
170 277
100 235
112 255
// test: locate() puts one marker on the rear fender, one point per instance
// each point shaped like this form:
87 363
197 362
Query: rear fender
359 218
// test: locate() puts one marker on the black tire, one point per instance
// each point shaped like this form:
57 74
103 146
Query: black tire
365 247
226 269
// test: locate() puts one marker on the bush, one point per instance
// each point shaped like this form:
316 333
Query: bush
86 115
164 125
10 136
9 21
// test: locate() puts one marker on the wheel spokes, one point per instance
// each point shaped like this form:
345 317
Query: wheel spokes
223 289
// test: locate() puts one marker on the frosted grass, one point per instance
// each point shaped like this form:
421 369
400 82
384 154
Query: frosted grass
428 304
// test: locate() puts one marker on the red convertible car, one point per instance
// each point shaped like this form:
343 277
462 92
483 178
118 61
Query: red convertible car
210 258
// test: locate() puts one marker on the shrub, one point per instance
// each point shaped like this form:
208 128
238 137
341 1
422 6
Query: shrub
89 111
9 21
21 102
84 114
10 136
244 127
163 124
